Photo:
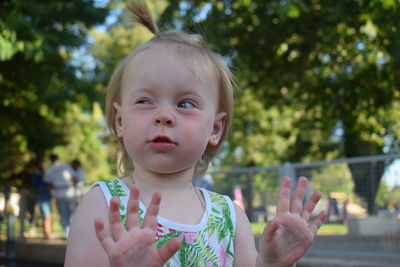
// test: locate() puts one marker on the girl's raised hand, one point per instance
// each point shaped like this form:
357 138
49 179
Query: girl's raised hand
135 245
287 237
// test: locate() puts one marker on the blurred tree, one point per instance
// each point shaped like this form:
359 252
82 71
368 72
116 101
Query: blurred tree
383 197
37 78
388 198
84 133
334 63
396 197
332 178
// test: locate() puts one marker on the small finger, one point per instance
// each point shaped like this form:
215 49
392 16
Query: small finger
116 227
298 195
105 239
270 230
150 220
169 249
316 224
132 216
310 205
284 195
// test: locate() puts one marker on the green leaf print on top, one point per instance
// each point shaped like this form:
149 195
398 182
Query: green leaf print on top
222 225
197 252
166 238
229 226
117 190
206 245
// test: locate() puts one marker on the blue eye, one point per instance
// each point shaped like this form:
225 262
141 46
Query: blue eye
185 104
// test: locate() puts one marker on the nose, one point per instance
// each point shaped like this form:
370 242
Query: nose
165 117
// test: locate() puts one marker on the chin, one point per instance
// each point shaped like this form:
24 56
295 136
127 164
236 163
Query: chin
167 170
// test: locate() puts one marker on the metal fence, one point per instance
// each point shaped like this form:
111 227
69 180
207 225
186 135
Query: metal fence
349 186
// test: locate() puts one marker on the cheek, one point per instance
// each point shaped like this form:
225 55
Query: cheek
132 129
208 126
133 119
199 131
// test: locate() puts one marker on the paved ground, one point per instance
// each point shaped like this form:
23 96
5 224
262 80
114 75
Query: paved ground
332 258
353 251
28 264
37 252
327 251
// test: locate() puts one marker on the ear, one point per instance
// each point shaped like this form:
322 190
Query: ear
118 119
218 128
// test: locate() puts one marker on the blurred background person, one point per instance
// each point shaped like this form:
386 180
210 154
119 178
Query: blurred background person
27 204
43 196
60 176
79 180
204 181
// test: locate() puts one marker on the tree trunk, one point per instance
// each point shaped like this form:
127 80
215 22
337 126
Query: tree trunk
366 177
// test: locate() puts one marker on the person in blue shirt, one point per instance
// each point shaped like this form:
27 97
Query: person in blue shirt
43 196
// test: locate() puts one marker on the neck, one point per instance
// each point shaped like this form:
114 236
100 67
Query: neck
151 181
179 197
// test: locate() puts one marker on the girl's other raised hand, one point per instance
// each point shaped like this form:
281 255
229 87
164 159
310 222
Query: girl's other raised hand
135 243
287 237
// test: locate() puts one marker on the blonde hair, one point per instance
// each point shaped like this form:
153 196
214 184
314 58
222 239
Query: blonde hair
195 49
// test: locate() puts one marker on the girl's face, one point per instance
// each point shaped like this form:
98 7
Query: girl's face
167 116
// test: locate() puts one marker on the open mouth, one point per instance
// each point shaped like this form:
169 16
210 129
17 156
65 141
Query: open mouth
162 143
161 139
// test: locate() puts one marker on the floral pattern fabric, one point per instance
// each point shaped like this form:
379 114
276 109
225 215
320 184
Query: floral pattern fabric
209 243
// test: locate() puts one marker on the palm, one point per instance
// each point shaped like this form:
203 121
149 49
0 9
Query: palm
288 236
135 244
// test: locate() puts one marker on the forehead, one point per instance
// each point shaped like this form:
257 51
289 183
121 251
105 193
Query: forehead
172 62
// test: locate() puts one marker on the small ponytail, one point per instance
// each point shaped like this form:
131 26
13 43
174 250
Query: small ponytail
141 14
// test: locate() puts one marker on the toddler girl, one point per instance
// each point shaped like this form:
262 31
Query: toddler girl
169 104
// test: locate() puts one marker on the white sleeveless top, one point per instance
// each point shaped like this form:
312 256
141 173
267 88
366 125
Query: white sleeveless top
210 243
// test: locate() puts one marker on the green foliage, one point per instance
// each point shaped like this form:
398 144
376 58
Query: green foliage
332 178
263 134
388 198
266 182
341 69
37 81
313 67
9 45
83 131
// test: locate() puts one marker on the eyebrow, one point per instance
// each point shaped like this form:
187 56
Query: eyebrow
148 90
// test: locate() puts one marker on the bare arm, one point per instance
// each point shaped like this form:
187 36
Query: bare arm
98 237
84 249
245 249
287 237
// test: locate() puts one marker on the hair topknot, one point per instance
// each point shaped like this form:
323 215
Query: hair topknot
141 14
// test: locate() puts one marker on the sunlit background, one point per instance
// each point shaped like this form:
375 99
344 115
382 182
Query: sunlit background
318 82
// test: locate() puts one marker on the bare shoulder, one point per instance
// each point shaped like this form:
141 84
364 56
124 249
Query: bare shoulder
245 249
92 204
82 240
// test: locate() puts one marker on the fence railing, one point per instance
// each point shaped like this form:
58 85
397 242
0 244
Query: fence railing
349 186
